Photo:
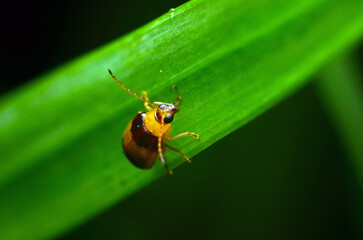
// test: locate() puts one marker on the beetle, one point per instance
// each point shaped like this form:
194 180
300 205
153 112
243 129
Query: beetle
145 137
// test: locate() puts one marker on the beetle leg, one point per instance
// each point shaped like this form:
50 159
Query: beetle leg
154 104
146 104
181 154
162 159
196 136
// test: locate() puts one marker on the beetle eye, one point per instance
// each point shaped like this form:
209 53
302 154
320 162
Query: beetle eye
162 106
168 118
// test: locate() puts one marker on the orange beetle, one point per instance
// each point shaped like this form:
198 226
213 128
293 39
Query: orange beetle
146 136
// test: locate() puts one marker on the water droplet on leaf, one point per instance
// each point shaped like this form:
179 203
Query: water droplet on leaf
172 12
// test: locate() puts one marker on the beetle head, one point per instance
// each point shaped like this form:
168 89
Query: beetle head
165 112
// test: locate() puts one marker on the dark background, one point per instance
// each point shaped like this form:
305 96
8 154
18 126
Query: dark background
282 176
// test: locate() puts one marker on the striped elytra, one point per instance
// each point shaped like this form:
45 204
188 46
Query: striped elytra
139 144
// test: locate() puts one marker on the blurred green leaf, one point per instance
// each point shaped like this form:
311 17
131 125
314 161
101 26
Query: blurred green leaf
60 139
341 93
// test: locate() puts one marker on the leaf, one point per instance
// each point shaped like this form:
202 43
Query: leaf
231 60
341 93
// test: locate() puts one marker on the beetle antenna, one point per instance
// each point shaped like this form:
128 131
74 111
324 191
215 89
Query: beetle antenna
124 87
177 100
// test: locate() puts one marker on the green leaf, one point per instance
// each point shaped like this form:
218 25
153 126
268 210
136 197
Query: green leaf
342 95
340 89
231 60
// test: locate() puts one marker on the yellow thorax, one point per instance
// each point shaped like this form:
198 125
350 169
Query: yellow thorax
153 125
